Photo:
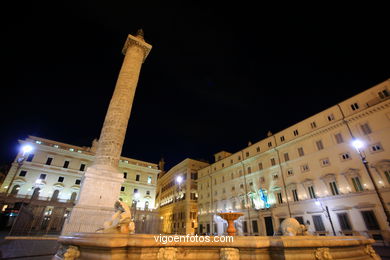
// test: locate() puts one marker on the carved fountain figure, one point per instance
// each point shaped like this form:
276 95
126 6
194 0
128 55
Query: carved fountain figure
120 222
230 217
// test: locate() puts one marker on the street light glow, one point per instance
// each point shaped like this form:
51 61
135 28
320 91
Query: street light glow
27 148
179 179
358 144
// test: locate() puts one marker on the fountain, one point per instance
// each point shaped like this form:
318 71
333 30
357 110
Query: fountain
230 217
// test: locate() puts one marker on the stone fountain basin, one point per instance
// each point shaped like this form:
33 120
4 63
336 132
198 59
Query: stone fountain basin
144 246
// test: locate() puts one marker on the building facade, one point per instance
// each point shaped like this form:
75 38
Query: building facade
319 171
177 197
52 171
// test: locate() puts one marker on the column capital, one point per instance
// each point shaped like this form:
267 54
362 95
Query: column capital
139 41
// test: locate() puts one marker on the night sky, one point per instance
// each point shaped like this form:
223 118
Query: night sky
216 78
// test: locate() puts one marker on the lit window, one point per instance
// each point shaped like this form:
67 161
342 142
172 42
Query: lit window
357 184
71 149
38 142
55 146
79 151
295 195
149 179
312 192
333 188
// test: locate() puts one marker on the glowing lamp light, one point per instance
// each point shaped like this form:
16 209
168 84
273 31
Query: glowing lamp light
358 144
179 179
26 148
317 203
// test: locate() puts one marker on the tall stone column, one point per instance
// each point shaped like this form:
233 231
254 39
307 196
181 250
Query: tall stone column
101 183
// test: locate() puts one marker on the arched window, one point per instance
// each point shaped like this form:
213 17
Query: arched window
35 194
15 190
55 195
73 196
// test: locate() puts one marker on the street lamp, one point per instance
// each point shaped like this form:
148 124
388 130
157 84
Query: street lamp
25 149
326 209
358 144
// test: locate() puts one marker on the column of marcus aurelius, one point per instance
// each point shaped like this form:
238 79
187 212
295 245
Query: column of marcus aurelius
102 181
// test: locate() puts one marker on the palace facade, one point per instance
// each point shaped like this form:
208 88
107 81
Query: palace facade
326 171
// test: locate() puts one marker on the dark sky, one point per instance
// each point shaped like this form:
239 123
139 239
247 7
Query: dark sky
217 76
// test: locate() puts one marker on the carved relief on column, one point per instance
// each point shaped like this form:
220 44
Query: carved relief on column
323 253
167 253
229 254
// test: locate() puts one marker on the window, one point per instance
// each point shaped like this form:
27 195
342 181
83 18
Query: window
247 154
60 179
296 132
241 186
78 181
300 151
286 157
357 184
135 191
354 106
383 94
376 147
304 168
223 165
282 138
370 220
290 172
233 188
255 226
318 223
71 149
137 177
333 188
260 166
22 173
366 129
313 124
122 188
42 176
344 221
273 161
324 162
82 167
320 145
239 158
269 144
339 138
125 175
345 156
280 198
55 146
330 117
49 160
66 164
275 176
295 194
223 190
312 192
249 170
150 179
30 157
257 149
38 142
244 227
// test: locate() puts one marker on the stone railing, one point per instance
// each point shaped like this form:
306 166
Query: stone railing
139 246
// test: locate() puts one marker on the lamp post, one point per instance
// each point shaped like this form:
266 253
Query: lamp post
25 149
326 209
179 180
358 144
